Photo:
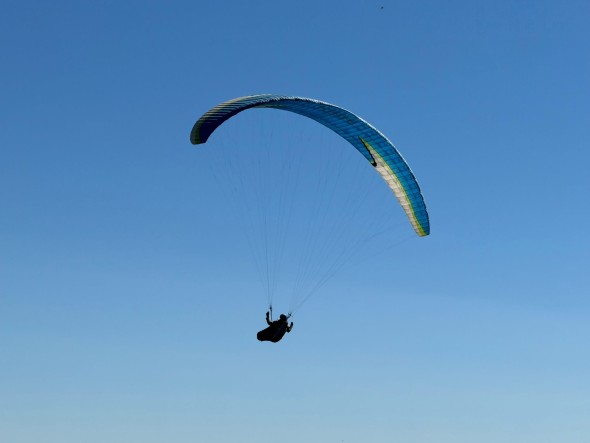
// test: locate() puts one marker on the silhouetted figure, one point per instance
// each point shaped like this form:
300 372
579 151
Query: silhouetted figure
276 329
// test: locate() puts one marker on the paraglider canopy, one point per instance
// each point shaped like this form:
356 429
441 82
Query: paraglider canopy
371 143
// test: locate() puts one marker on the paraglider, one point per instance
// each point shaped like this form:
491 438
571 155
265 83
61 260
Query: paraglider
365 138
276 329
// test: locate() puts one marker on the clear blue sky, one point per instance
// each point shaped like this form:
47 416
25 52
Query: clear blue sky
125 315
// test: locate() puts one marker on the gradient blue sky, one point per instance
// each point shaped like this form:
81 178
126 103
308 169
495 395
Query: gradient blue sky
125 316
